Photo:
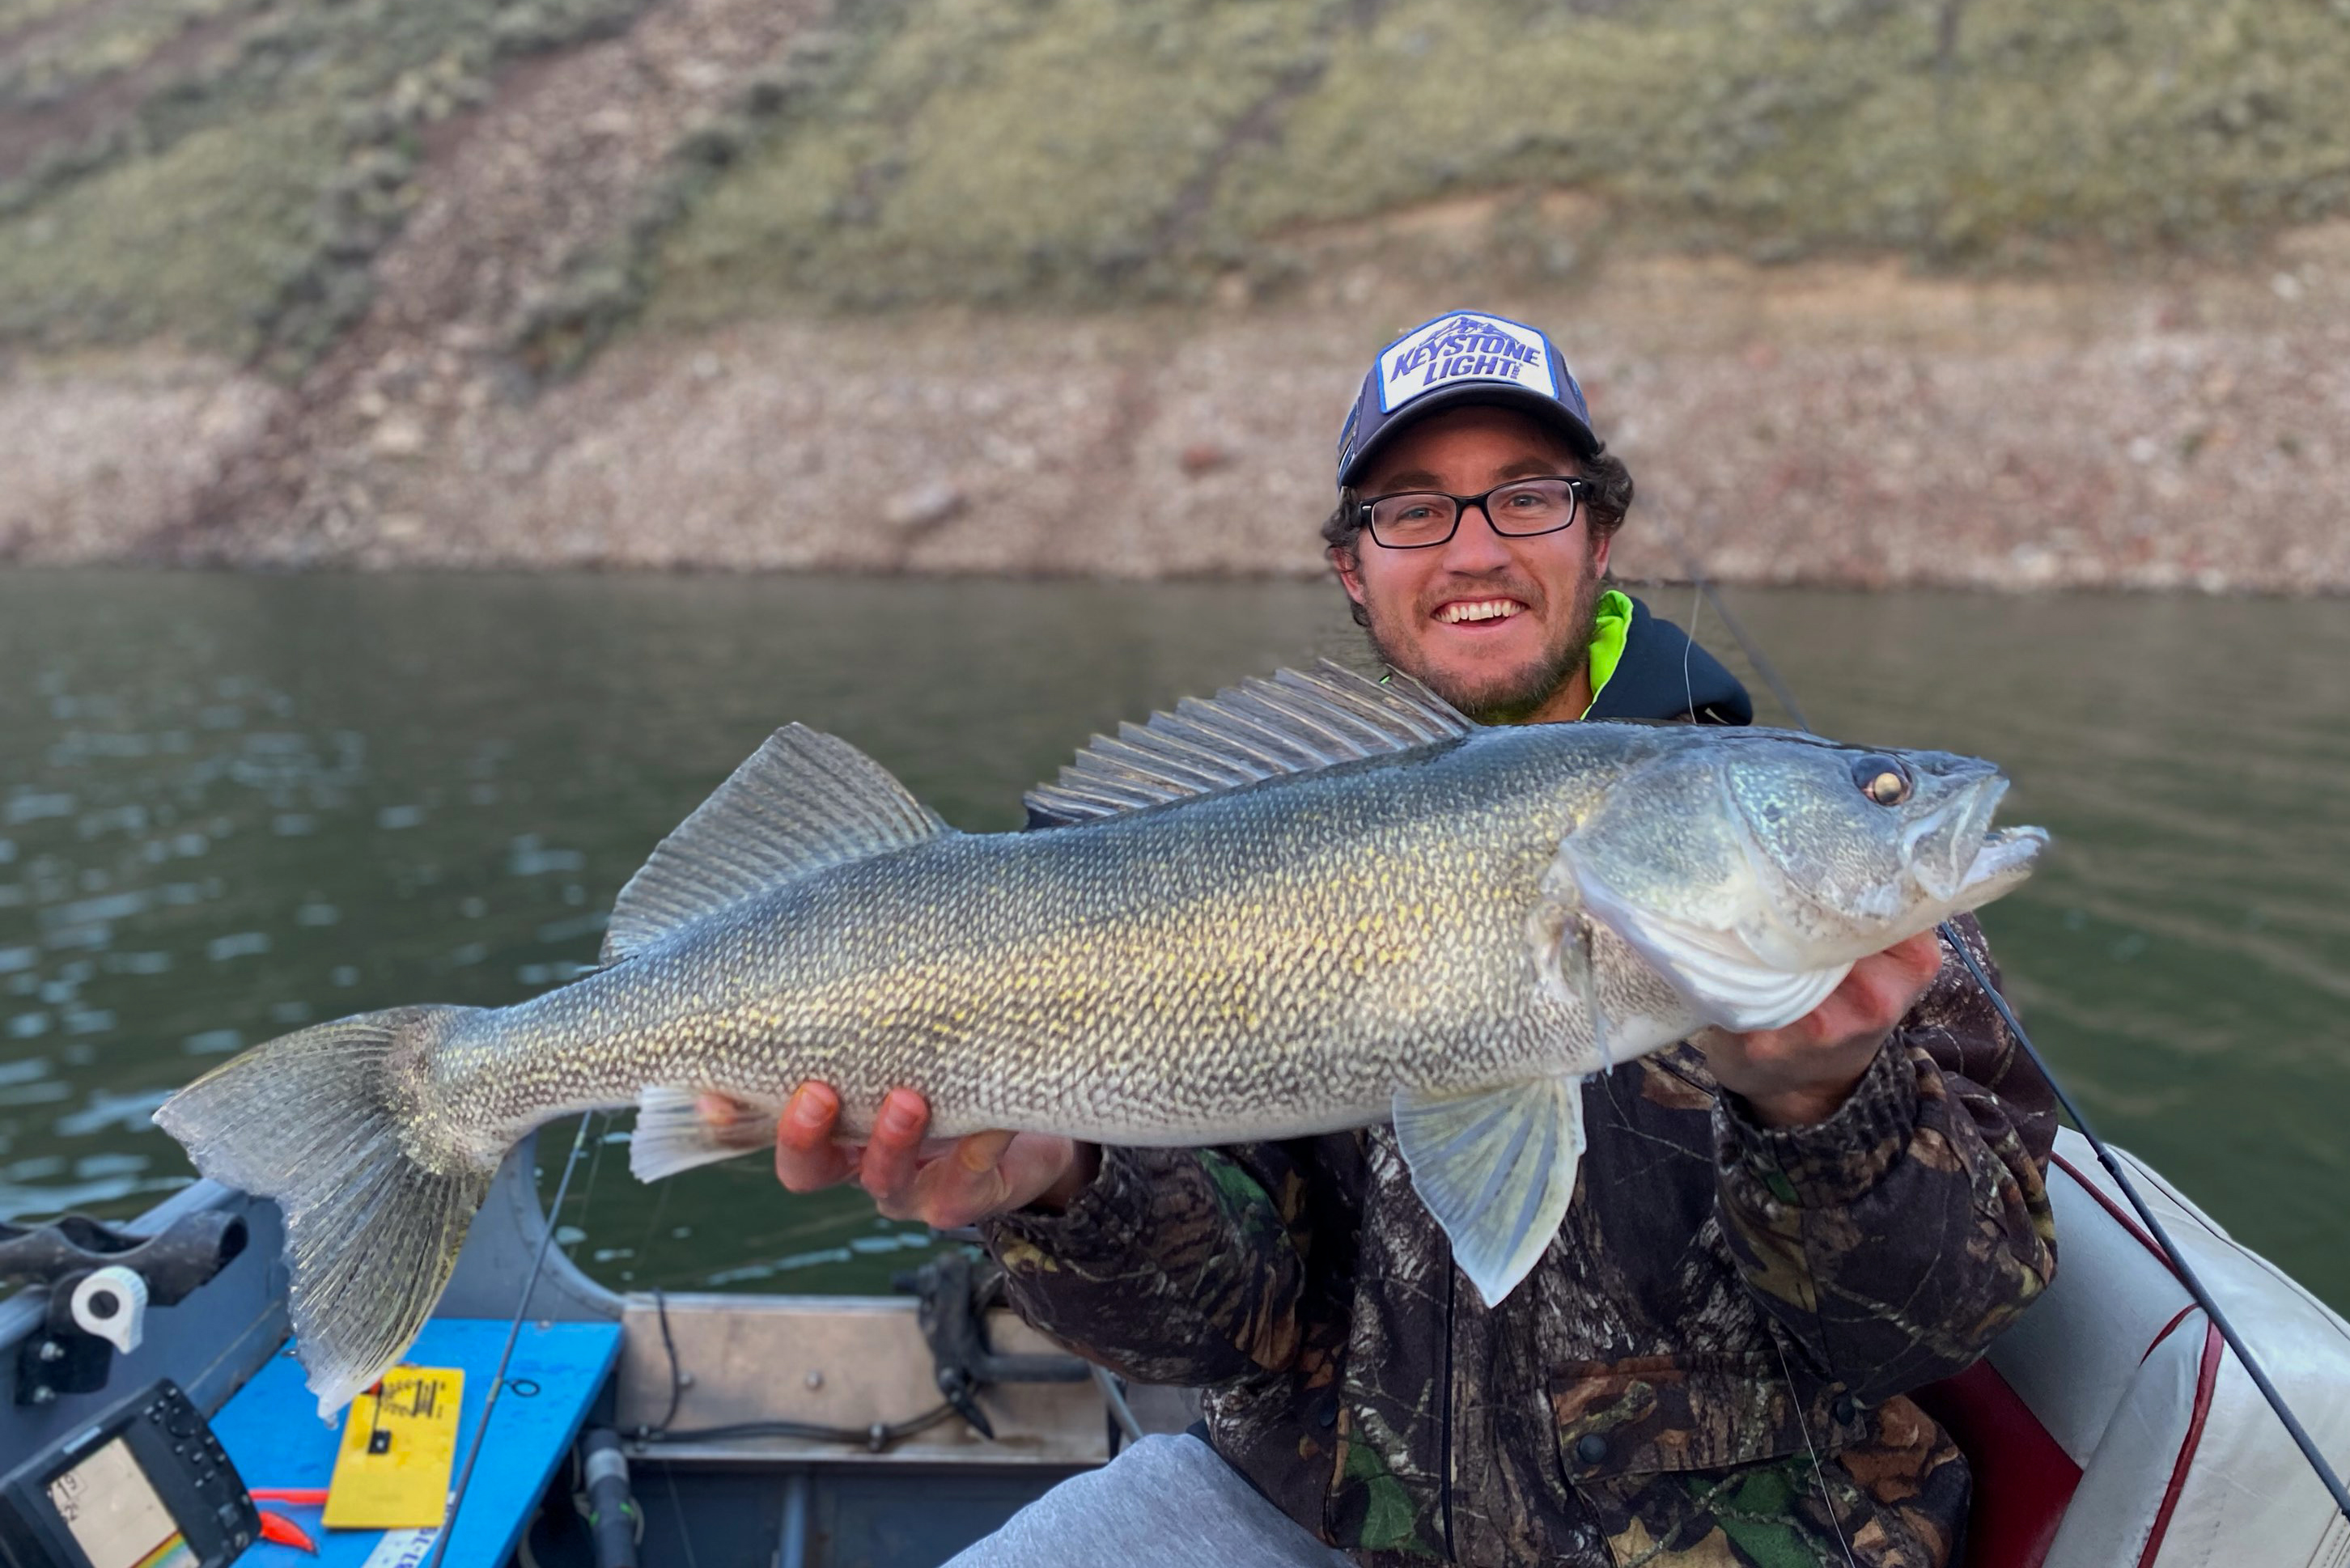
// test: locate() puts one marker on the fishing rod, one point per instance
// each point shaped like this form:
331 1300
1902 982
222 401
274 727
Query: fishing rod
505 1356
2105 1157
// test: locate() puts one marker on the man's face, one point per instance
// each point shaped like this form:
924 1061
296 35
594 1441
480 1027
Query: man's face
1499 627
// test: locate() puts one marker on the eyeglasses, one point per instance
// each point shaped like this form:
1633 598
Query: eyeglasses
1420 519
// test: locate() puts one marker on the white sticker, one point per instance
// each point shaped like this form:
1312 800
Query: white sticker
401 1549
1468 347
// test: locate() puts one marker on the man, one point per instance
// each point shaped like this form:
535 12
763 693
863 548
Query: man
1774 1236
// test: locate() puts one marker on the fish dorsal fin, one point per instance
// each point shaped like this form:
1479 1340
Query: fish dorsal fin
1295 723
804 801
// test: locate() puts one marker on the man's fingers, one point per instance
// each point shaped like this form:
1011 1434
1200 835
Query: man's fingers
1037 1163
806 1159
731 1121
963 1187
893 1155
1921 955
983 1174
990 1173
1885 986
1877 994
983 1151
941 1183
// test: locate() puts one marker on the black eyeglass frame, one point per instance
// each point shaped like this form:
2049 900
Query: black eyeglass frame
1577 488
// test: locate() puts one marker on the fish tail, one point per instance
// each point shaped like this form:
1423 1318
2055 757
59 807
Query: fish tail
341 1124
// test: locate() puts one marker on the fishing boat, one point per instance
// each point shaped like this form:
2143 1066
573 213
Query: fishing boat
2111 1428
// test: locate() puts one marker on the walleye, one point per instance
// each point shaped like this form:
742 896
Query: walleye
1314 902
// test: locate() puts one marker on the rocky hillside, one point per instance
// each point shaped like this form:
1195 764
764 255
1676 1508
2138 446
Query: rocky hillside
1980 291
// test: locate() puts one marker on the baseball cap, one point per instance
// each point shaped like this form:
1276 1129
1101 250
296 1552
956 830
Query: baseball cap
1461 357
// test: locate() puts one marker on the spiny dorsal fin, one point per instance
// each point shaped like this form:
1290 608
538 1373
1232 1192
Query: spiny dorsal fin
804 801
1291 724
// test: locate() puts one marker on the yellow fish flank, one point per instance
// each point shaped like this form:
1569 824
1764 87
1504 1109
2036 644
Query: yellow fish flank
1314 902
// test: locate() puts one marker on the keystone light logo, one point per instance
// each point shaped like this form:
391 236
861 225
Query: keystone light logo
1464 348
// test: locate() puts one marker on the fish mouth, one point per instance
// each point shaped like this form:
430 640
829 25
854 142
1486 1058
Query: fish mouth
1959 859
2005 857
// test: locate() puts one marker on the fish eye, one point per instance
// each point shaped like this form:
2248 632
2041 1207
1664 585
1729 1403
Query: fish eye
1882 779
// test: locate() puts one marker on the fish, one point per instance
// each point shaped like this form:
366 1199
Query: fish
1314 901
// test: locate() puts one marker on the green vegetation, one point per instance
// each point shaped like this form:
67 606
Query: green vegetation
110 42
197 234
1000 150
1098 151
1090 149
268 152
608 283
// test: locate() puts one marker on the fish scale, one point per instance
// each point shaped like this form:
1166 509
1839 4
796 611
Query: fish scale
1040 981
1315 902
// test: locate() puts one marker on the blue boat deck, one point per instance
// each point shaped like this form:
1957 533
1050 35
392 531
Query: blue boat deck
272 1430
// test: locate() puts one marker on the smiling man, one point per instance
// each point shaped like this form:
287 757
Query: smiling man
1775 1237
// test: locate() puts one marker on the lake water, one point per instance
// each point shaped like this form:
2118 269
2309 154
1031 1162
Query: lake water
233 805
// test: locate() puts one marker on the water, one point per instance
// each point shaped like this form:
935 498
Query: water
231 806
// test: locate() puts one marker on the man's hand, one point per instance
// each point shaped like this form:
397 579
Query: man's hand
975 1177
1800 1075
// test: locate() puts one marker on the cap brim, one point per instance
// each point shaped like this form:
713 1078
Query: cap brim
1545 409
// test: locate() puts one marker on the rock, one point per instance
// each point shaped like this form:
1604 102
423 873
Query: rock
398 436
1203 457
921 509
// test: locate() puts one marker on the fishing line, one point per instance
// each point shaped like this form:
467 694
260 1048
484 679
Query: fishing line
595 1169
684 1535
1689 652
505 1356
643 1257
1737 629
1819 1472
2187 1274
2105 1157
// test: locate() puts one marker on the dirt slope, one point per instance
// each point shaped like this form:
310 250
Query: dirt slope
1015 286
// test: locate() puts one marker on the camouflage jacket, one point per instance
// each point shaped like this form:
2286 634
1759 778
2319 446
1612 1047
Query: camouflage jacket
1708 1366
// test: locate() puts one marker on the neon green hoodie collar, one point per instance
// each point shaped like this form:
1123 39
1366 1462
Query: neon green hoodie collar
1611 624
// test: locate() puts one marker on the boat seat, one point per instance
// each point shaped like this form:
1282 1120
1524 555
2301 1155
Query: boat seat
2111 1428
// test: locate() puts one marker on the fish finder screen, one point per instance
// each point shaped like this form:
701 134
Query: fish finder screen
110 1506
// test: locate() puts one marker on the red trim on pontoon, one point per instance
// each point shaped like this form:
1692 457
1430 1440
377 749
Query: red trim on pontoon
2023 1481
2121 1216
2175 1319
2207 1379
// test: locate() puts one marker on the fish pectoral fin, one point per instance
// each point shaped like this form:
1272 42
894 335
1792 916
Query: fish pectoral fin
1559 939
1719 970
1496 1169
672 1135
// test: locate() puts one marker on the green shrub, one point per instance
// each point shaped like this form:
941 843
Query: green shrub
241 205
1090 149
1101 152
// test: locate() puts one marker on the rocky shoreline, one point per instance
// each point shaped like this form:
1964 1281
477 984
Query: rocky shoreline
1833 423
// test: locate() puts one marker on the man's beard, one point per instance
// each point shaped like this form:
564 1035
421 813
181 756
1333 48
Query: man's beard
1509 697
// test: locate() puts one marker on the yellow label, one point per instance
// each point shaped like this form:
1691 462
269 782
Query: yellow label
400 1443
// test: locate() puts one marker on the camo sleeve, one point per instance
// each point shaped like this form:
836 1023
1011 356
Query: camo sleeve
1175 1266
1894 1240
